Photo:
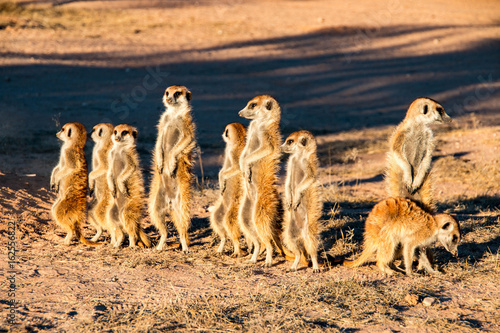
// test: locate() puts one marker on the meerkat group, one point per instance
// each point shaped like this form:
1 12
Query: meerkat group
404 225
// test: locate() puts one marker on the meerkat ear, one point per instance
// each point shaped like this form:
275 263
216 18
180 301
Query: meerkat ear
188 95
134 133
269 105
425 109
303 141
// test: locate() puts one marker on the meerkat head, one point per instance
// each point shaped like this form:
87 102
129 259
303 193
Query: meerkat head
299 141
449 232
101 132
427 111
234 134
73 133
124 135
176 96
262 107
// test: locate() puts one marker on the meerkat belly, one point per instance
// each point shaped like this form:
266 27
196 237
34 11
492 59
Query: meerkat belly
172 137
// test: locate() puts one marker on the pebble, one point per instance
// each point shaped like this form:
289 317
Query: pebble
428 301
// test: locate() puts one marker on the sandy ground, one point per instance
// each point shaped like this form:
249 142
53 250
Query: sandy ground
345 70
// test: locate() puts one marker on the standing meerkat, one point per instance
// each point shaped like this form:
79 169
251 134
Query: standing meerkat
261 211
127 189
98 184
172 166
401 222
224 217
69 180
302 203
410 155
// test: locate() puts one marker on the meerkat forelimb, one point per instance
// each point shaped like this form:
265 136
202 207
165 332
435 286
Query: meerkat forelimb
69 180
126 185
172 166
98 184
401 222
302 203
261 211
224 217
411 147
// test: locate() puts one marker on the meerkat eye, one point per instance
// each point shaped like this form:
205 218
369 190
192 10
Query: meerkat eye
62 129
227 133
426 109
69 132
289 142
446 225
116 132
124 133
166 93
253 105
100 132
177 94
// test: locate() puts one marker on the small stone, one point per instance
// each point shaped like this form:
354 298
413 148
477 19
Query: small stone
114 279
411 299
428 301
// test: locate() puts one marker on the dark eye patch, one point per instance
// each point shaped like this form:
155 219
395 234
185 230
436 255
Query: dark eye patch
124 133
166 93
454 239
253 105
426 109
116 132
100 132
289 142
177 94
446 225
227 133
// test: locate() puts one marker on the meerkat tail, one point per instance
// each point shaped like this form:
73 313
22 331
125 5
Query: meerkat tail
364 257
82 239
144 239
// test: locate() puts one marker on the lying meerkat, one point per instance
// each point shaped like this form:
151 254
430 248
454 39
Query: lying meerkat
172 166
127 189
302 203
69 180
401 222
98 184
224 217
261 210
410 155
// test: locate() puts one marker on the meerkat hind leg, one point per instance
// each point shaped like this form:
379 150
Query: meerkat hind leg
220 249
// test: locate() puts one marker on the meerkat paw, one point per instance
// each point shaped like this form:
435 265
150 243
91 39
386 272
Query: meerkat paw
317 270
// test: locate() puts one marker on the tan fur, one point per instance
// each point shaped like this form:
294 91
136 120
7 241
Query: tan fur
98 184
224 217
69 180
127 188
302 203
401 222
172 166
411 147
261 211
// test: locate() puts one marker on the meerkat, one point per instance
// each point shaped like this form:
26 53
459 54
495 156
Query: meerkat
69 180
224 217
402 222
172 166
261 210
98 184
302 204
411 147
125 183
